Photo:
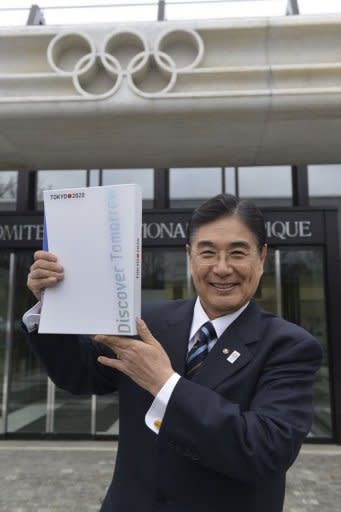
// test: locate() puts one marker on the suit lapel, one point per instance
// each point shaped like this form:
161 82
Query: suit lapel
175 338
216 368
220 366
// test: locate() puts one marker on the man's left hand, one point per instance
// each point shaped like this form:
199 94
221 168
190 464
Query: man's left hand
145 362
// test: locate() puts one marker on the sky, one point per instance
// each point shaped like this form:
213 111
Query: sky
55 14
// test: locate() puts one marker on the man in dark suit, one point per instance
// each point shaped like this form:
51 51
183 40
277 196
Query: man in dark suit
215 396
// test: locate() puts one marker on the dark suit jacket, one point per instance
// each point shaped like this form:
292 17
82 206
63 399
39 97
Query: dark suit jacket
228 436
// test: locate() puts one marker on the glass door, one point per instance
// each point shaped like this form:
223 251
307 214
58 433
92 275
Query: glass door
165 275
23 379
30 401
293 286
4 354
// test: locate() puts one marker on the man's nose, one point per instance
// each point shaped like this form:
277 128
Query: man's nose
223 265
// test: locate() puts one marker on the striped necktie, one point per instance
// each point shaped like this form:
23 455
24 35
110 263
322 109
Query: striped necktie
197 355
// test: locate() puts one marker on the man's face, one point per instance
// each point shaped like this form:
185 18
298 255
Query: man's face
226 265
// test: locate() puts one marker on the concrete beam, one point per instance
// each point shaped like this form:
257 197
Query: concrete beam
226 92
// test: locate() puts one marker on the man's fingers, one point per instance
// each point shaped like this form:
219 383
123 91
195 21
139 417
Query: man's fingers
46 265
41 273
112 363
45 272
145 333
46 261
47 282
44 255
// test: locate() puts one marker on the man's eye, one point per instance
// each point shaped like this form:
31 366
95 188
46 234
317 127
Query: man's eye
207 254
238 254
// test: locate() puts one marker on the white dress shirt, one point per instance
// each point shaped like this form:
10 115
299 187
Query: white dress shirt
156 412
32 317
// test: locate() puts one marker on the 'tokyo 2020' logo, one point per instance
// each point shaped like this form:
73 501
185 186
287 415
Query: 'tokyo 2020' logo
66 195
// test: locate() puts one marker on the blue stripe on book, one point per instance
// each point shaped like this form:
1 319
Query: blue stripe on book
45 238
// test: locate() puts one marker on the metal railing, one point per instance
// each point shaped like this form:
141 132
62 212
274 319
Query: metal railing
160 6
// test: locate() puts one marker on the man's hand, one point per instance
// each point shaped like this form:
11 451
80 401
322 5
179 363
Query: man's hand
44 273
145 362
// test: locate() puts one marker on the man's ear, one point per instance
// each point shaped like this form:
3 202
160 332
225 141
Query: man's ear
263 254
188 250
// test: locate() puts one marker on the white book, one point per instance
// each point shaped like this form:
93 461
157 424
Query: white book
95 232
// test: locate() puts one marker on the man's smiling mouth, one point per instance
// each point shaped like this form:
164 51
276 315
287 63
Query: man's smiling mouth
223 286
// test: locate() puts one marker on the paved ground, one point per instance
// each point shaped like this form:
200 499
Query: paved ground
61 476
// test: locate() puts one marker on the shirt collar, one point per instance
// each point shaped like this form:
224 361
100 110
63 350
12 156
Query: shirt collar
220 324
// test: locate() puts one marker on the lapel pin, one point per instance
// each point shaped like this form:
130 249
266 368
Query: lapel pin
225 351
233 357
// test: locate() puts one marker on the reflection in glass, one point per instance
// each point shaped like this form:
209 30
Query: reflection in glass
4 274
72 414
94 178
324 180
142 177
107 422
230 180
27 395
293 285
269 294
8 189
164 274
324 183
189 187
266 186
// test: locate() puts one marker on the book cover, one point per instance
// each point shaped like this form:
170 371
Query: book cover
95 232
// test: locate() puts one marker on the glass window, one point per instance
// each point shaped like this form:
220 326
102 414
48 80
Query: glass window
164 274
4 289
266 186
191 186
8 190
94 178
49 180
293 287
107 421
228 9
230 180
25 376
143 177
72 414
324 184
324 181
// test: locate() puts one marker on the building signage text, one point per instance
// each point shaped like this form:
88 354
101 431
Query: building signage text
288 229
21 232
169 228
281 226
164 230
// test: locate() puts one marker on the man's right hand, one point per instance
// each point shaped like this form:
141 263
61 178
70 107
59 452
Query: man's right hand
44 272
